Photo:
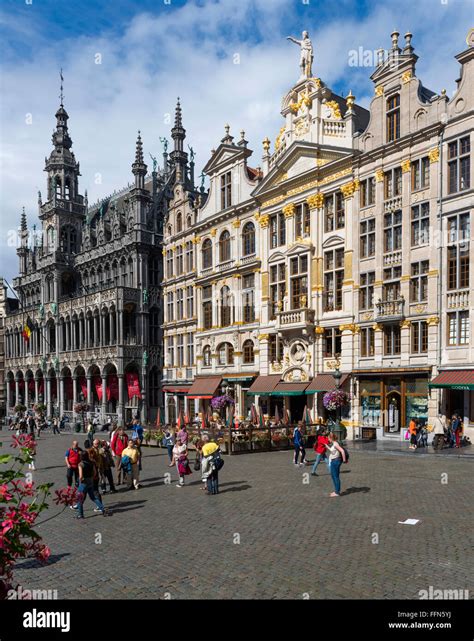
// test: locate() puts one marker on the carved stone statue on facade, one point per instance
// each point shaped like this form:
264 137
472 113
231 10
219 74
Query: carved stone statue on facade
306 55
145 359
155 163
164 142
298 353
145 296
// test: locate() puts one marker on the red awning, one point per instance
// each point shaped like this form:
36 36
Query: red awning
204 387
461 379
324 383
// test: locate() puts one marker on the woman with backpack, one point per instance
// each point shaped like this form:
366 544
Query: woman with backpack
211 463
180 459
337 456
86 487
168 442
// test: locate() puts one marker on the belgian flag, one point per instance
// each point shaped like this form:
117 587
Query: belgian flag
27 329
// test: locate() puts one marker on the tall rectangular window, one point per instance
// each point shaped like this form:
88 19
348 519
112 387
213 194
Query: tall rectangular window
207 306
367 342
299 281
302 221
277 288
332 344
366 291
170 351
420 173
459 165
334 212
189 301
367 192
277 230
420 224
393 118
170 307
391 283
333 279
391 340
190 349
169 264
392 233
458 328
248 298
180 304
419 281
226 190
367 238
419 337
179 260
275 348
458 251
393 183
180 350
189 256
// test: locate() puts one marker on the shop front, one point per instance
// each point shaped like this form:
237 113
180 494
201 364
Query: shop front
202 391
457 396
388 401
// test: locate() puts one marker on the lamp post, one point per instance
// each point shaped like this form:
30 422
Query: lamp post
338 429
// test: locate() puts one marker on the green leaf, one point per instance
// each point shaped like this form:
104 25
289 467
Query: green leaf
5 458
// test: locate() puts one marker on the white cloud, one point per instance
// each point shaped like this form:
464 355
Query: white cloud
187 52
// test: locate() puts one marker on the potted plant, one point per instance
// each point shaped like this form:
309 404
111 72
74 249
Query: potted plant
147 436
19 407
334 401
158 437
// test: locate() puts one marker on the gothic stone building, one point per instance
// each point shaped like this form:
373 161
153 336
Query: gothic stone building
89 286
349 247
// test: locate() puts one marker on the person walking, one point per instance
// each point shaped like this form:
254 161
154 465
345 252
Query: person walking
90 431
108 464
86 487
211 463
320 449
412 430
137 436
439 426
130 456
183 435
337 456
456 428
31 425
56 425
180 459
118 443
298 443
73 458
168 442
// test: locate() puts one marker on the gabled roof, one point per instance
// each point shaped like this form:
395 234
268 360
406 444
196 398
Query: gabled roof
225 154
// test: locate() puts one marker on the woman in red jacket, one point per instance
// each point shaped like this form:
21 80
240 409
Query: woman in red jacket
320 449
118 443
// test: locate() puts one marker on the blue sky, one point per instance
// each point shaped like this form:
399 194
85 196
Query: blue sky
151 51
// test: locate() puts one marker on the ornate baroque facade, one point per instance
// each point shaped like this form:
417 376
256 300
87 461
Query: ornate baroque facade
350 246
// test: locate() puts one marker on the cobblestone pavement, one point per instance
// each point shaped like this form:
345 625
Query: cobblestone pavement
168 542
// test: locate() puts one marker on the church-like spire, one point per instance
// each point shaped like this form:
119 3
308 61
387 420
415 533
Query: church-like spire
139 167
23 223
178 156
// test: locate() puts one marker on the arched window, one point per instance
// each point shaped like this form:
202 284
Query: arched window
123 271
67 189
170 230
57 182
224 247
179 222
248 239
249 356
225 354
207 253
50 238
206 356
189 222
226 307
130 272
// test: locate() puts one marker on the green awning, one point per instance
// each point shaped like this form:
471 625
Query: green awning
460 379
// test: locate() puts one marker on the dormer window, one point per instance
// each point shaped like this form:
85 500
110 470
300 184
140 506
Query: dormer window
393 118
226 190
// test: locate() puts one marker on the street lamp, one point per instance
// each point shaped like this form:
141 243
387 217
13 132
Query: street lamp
338 429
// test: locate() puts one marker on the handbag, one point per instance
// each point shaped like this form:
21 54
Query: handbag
407 435
197 465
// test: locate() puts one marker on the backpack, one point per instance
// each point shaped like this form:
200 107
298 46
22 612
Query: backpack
73 457
218 461
346 452
126 464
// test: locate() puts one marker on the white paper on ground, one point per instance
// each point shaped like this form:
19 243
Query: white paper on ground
410 521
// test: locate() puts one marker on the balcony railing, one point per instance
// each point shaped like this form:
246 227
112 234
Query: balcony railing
458 300
295 317
390 310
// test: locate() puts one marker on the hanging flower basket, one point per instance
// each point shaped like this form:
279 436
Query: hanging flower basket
220 402
336 399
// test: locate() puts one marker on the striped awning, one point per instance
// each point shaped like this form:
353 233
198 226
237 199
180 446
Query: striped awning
204 387
461 379
324 383
264 385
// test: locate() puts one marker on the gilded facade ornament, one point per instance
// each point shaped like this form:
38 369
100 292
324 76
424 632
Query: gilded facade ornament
304 100
319 330
263 220
406 165
379 91
405 324
434 154
379 175
349 327
377 327
263 337
432 321
406 76
266 145
348 189
279 138
213 232
315 201
350 100
335 109
236 223
196 240
289 210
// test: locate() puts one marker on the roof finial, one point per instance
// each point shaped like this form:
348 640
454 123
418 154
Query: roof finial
61 95
23 224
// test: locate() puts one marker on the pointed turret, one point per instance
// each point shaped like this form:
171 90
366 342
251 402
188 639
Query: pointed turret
178 156
139 167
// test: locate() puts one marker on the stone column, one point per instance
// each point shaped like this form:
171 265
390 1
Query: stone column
96 329
8 391
144 412
111 328
61 390
17 390
27 392
81 337
74 390
104 397
48 396
89 389
120 407
36 389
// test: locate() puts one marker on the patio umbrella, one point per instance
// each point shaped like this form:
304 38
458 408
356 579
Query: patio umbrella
260 418
306 415
277 415
158 417
286 417
253 414
187 419
230 419
180 421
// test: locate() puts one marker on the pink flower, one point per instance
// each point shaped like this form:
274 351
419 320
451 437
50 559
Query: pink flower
4 493
43 553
